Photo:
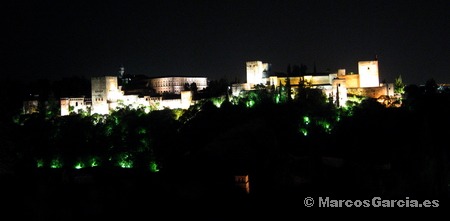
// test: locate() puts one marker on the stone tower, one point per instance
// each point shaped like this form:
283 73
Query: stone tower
256 72
368 74
105 93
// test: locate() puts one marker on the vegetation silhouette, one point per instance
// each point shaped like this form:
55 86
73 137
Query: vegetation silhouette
290 149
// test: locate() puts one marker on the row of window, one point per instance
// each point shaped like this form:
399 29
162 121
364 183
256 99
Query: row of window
170 83
176 91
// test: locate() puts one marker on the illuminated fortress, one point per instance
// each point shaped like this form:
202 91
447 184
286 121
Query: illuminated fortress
338 85
107 95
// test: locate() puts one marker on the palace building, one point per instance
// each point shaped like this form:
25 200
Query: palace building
107 95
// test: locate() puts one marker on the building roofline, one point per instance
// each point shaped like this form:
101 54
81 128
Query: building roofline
177 76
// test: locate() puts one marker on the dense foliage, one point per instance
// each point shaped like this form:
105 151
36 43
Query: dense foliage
303 144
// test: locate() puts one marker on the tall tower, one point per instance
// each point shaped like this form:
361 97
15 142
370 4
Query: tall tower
256 72
105 93
368 74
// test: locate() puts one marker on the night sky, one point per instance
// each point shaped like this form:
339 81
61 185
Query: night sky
56 39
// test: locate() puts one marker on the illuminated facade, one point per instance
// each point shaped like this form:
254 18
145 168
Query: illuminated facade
368 74
105 93
75 105
257 72
175 85
336 85
325 82
108 96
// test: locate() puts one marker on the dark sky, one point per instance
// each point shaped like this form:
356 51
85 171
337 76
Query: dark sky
56 39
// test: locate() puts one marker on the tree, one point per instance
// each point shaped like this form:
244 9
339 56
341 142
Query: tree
289 70
193 87
217 88
299 70
303 86
431 86
52 108
303 69
399 86
288 89
288 83
259 87
187 87
296 71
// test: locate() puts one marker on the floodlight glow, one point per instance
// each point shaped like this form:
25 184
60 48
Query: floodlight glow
325 125
277 98
40 163
250 103
154 167
217 101
178 113
306 120
124 161
93 162
79 165
304 131
56 163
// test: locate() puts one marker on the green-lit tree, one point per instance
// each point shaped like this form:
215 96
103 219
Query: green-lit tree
399 86
288 89
193 87
187 87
